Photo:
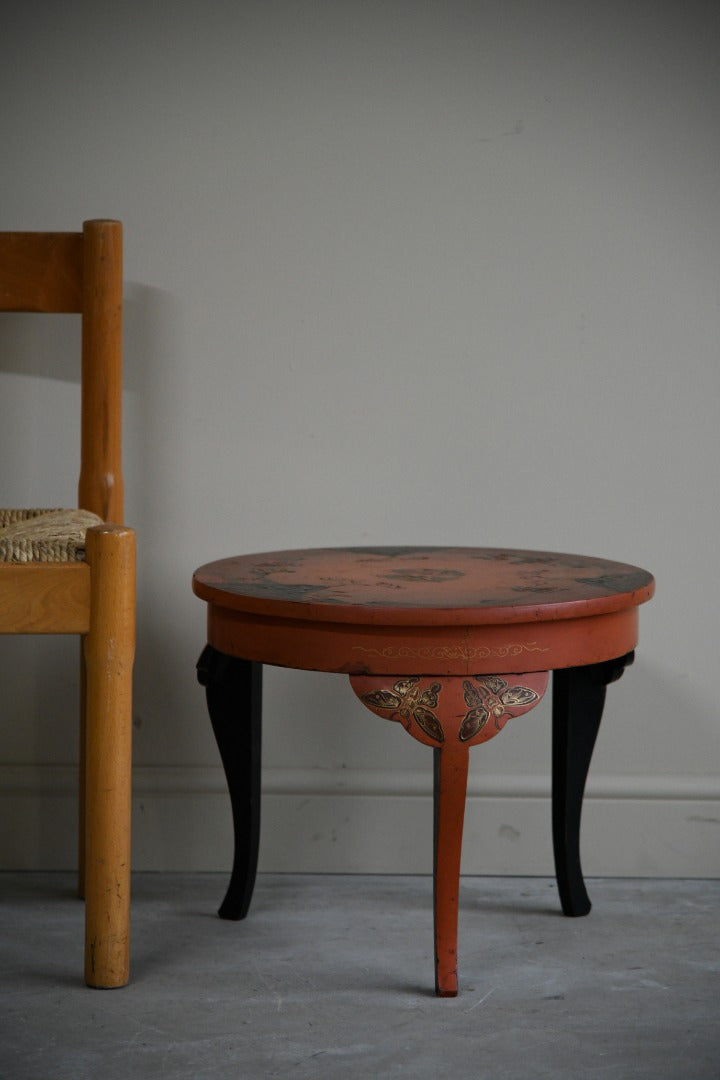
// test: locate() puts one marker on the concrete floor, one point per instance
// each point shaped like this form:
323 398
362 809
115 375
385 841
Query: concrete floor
332 977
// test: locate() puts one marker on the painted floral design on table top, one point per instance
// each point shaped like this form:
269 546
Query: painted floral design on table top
417 578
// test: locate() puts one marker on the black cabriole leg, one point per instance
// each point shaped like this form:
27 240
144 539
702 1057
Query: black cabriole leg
578 700
234 695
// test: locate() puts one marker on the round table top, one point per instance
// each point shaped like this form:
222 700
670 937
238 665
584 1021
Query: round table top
406 586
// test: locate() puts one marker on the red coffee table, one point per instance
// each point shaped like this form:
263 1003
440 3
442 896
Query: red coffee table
450 642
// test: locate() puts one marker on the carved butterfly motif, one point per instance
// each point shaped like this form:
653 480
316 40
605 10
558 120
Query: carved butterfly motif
406 701
491 697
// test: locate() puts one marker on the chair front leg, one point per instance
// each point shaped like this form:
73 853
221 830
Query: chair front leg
109 648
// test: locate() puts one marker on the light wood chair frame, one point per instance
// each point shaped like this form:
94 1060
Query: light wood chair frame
81 272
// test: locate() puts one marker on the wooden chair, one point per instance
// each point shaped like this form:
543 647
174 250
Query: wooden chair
73 572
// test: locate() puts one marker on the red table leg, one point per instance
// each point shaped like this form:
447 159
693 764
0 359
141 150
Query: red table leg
451 714
451 769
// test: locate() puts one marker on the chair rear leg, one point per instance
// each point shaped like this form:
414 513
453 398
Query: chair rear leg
109 654
81 775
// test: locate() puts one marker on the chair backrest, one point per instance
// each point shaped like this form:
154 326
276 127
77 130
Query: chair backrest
80 272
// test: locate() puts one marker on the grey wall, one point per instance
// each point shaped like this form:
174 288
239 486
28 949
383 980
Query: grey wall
395 272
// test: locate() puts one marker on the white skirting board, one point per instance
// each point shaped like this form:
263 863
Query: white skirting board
372 822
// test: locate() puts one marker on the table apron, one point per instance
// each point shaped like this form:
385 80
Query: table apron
422 650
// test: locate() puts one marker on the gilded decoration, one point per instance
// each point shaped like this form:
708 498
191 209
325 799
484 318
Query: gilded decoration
492 697
407 701
452 652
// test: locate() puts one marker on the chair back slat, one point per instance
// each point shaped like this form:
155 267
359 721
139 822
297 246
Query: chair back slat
80 272
41 271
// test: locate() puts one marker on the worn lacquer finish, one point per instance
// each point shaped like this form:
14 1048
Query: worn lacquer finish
449 642
416 610
437 586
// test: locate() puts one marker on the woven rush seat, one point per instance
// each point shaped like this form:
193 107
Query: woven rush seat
47 536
